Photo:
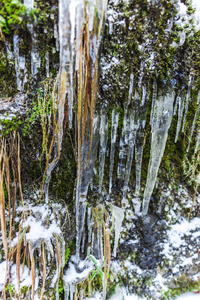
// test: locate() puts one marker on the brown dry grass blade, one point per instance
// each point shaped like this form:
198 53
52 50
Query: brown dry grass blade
18 262
43 271
31 251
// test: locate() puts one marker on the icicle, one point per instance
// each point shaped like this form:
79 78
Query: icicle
139 145
16 54
130 88
191 79
115 118
72 291
103 145
124 140
182 38
89 223
55 32
132 135
154 98
198 98
47 63
161 121
144 92
141 74
118 214
66 54
176 105
138 155
100 242
66 289
83 240
35 56
198 142
180 116
193 126
80 223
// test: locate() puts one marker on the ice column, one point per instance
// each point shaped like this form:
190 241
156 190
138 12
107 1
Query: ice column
115 118
160 123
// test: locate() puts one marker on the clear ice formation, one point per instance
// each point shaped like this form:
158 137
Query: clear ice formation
20 67
103 145
123 146
118 214
193 126
160 123
133 127
72 14
88 159
115 119
180 100
139 146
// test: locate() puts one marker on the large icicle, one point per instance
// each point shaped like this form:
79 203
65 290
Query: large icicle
161 121
66 29
88 158
103 145
133 125
118 214
115 119
139 148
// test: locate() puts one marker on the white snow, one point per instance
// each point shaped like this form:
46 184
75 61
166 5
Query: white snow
72 276
37 230
189 296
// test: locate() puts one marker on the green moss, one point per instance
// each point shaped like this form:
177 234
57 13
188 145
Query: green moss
181 285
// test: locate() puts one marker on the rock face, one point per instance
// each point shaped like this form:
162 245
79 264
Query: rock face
99 111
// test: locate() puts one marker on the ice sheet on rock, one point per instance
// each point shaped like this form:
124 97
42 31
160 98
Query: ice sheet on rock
118 214
160 123
115 118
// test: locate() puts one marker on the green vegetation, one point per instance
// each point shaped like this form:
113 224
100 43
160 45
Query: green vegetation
11 14
181 285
